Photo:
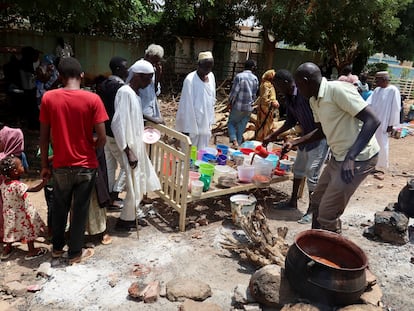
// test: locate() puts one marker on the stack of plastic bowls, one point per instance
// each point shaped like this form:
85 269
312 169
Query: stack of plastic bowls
223 149
209 158
222 159
206 169
210 150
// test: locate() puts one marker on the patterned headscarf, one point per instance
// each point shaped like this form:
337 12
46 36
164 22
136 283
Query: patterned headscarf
12 141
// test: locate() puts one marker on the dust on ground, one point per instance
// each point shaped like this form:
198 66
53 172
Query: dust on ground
163 253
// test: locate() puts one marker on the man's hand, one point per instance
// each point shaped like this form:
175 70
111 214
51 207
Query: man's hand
132 159
347 172
275 104
266 141
287 146
45 173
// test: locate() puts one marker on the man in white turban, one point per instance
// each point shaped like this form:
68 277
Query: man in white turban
195 114
150 107
386 103
128 126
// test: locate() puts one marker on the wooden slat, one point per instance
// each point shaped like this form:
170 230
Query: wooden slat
174 174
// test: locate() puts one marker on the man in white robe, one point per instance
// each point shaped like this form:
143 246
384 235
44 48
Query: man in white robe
386 103
128 126
150 108
195 114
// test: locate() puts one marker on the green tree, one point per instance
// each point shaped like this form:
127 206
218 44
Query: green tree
342 30
203 18
118 18
401 44
200 18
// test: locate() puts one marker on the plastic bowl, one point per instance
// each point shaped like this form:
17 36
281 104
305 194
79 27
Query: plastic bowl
245 173
286 165
208 157
223 148
246 151
206 169
210 150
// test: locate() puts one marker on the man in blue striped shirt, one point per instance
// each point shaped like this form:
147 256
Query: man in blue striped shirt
310 157
242 96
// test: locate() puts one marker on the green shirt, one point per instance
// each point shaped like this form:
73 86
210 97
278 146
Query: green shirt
335 108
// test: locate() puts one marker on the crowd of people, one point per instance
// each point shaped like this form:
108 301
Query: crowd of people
84 137
27 78
92 148
343 123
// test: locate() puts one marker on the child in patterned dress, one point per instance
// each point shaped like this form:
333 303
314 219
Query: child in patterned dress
21 220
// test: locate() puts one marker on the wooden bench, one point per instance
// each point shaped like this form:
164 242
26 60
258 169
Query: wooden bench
173 166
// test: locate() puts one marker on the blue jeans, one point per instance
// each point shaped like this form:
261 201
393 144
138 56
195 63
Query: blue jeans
237 124
309 164
72 190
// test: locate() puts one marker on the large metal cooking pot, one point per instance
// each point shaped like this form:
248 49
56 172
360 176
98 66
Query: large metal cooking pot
325 267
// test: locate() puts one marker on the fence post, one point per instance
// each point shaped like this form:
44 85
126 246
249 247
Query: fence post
233 72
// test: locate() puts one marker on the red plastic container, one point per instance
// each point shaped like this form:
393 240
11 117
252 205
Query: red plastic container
246 151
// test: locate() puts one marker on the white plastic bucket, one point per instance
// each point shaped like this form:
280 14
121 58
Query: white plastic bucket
197 188
245 204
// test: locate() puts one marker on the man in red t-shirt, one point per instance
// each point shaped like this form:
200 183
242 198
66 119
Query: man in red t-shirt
71 115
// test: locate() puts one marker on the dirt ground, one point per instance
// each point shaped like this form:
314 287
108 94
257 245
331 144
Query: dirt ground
163 253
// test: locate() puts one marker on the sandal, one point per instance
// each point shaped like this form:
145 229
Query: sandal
85 254
379 176
116 205
5 255
306 219
40 252
106 239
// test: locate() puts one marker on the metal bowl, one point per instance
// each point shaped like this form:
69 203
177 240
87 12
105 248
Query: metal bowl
226 181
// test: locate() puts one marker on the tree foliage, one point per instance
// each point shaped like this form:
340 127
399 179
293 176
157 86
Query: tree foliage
203 18
342 30
401 43
117 18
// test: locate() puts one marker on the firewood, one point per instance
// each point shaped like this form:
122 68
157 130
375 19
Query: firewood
263 247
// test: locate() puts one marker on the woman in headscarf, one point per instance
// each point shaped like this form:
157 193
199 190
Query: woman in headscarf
267 105
11 142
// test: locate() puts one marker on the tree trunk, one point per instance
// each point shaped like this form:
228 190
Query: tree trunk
268 49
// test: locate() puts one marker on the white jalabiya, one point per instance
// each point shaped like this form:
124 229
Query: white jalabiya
149 99
195 114
386 103
128 126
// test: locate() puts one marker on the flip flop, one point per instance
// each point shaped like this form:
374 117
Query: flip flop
106 239
306 219
41 251
116 206
4 256
86 254
379 176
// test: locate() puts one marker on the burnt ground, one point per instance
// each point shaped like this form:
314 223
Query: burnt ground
102 282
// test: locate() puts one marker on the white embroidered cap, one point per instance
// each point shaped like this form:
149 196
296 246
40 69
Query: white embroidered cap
205 55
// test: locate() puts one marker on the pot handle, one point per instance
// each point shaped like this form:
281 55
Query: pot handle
310 265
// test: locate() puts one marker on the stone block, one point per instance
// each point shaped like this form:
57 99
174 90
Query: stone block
190 305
